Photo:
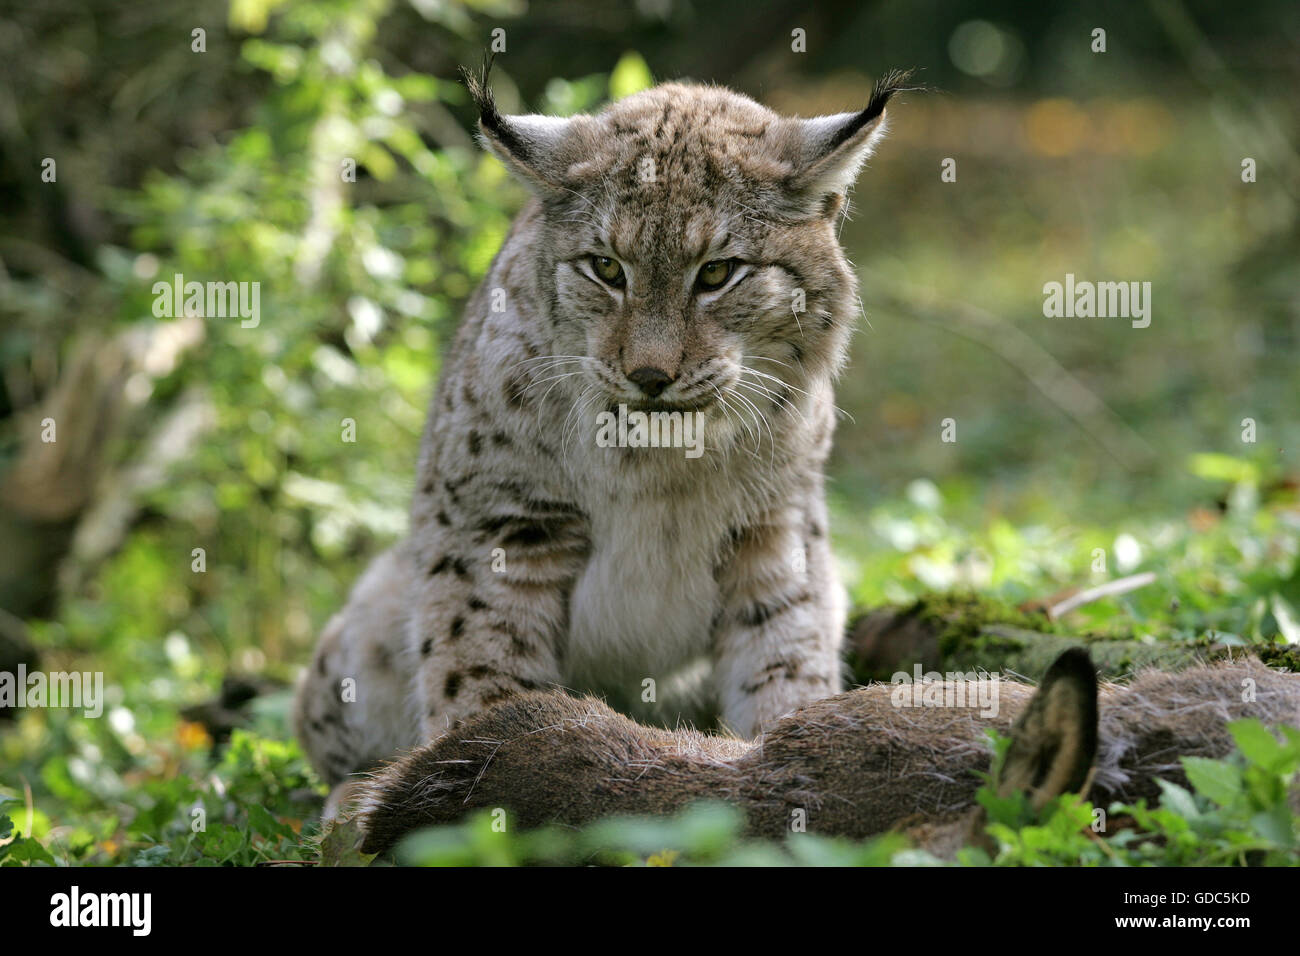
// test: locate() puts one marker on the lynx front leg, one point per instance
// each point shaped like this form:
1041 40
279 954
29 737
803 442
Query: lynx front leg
489 615
777 642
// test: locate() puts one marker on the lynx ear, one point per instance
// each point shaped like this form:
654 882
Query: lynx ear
1054 742
833 148
533 147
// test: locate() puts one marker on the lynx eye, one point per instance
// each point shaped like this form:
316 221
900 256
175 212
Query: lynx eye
609 270
714 274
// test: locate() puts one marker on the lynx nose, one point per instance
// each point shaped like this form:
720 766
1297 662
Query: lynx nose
650 380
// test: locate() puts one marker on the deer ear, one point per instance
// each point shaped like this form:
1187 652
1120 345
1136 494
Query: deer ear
1054 742
535 148
832 149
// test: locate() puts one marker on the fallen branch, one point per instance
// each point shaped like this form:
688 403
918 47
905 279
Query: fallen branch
1109 589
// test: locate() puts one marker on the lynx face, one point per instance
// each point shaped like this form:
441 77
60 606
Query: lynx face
692 260
666 327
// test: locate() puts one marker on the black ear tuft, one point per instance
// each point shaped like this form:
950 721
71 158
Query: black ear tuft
477 85
489 117
831 150
481 93
894 81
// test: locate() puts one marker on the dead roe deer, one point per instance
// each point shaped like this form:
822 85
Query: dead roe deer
857 764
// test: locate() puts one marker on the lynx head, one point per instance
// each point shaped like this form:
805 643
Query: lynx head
687 247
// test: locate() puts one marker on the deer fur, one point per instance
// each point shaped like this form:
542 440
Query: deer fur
856 763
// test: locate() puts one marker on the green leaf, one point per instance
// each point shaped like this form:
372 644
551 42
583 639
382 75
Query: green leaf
1218 467
630 75
1285 616
153 856
1216 779
339 846
1178 800
1257 743
25 850
1275 825
262 822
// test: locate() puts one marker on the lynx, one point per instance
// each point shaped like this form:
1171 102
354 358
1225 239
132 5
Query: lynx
856 764
678 257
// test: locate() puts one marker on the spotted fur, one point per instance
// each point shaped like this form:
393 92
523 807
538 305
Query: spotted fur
536 557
